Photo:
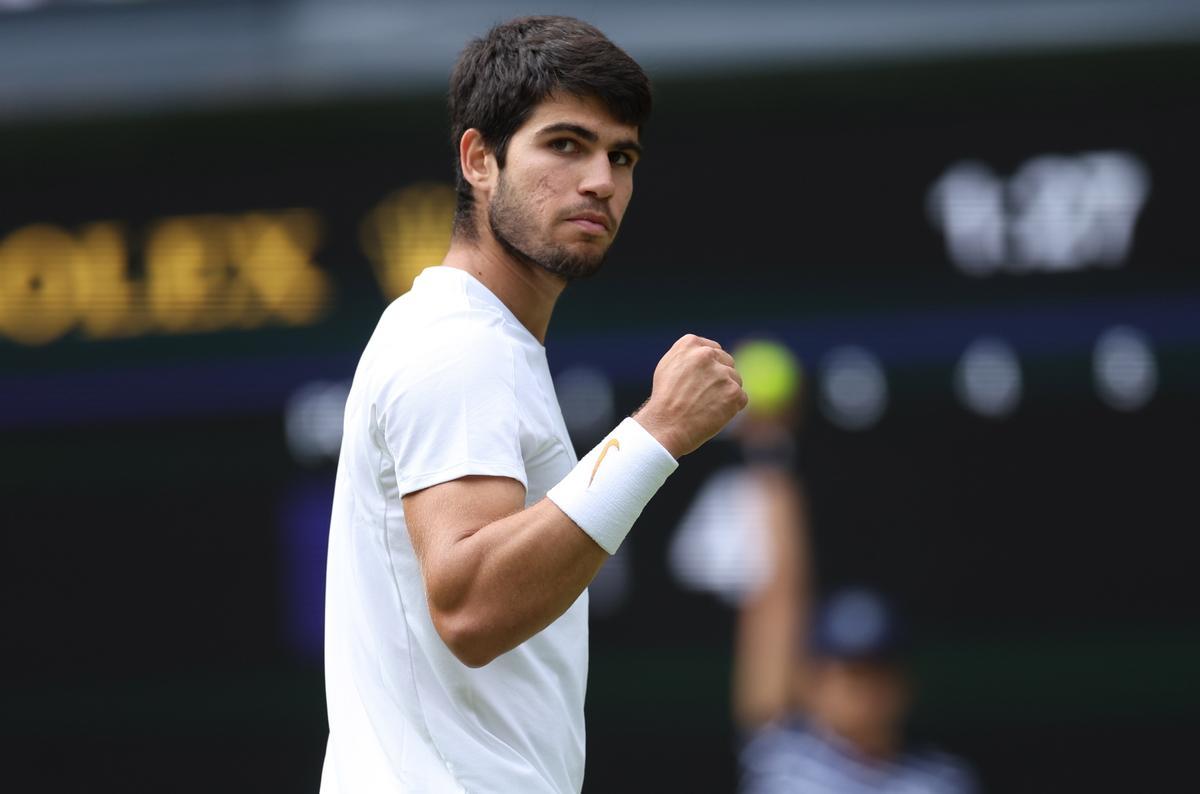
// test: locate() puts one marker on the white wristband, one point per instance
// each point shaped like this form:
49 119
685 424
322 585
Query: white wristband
605 493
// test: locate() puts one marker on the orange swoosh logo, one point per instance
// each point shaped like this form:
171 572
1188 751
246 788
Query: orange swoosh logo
612 442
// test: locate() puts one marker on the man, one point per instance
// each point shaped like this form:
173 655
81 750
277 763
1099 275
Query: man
464 532
844 733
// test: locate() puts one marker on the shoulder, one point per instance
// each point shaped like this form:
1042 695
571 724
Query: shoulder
477 336
456 345
416 323
785 736
787 756
945 772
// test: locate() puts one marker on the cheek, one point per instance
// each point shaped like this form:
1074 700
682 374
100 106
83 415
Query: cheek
620 200
541 195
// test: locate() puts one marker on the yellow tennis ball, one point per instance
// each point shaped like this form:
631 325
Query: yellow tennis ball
771 375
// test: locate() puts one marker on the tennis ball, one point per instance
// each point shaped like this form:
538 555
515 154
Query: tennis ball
771 375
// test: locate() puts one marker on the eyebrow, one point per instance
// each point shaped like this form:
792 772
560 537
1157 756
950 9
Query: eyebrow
590 136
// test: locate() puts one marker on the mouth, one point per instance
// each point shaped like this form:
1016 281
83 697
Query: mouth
590 222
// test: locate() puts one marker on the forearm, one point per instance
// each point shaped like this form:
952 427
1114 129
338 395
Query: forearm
772 619
764 657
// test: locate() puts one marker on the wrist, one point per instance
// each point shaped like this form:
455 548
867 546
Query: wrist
605 493
661 429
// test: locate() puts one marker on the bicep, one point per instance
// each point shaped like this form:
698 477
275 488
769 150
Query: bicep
441 516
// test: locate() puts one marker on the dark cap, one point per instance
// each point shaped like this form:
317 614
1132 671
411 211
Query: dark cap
857 623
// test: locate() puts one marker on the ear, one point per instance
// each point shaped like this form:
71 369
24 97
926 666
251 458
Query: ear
477 161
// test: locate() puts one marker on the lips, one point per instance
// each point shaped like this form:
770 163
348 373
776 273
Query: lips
589 225
591 221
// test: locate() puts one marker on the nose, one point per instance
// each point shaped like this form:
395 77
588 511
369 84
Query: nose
598 178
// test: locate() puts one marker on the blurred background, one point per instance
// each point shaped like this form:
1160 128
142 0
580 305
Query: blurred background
972 222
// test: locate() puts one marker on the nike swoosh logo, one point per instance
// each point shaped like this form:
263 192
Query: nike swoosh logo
612 442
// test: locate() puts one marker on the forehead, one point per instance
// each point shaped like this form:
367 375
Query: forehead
587 112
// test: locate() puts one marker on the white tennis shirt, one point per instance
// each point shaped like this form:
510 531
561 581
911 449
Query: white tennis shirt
450 384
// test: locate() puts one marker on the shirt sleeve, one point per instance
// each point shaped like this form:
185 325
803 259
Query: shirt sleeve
451 410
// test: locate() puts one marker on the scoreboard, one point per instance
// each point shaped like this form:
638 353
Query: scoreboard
988 268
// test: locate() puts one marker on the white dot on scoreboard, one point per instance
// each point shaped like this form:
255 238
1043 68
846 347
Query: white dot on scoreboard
1124 368
988 378
854 391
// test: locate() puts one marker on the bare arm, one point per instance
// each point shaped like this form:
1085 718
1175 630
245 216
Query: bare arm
769 665
496 574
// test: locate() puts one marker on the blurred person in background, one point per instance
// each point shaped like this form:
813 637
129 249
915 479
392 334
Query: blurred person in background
464 532
839 727
744 537
819 693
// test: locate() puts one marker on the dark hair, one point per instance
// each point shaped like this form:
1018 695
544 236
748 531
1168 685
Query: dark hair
500 78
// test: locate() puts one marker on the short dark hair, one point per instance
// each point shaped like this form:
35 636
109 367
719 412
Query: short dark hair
500 78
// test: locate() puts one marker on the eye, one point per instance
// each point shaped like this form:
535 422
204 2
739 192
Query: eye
564 145
620 158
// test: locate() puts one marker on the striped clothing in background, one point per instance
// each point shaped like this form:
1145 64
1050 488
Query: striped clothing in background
793 758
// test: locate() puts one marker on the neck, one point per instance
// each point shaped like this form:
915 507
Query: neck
528 291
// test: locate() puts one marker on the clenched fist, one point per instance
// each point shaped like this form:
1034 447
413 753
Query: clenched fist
696 392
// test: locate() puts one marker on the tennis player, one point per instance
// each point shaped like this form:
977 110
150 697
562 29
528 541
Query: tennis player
464 531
